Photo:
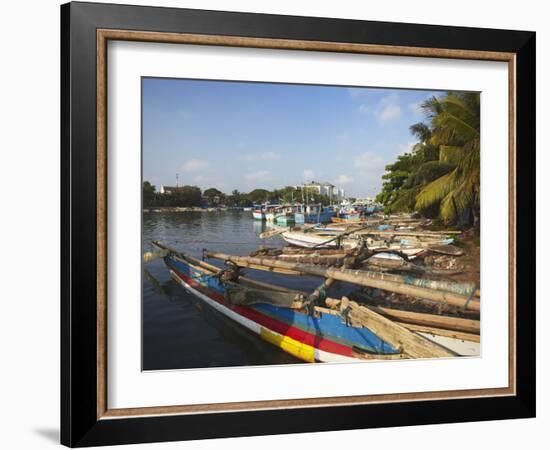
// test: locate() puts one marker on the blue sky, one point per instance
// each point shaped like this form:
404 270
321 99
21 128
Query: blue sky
241 135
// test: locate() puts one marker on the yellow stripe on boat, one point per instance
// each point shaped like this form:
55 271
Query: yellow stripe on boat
298 349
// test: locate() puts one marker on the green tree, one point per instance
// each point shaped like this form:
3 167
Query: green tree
440 176
455 122
148 194
259 195
212 194
185 196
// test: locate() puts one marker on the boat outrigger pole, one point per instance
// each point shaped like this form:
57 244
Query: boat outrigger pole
393 283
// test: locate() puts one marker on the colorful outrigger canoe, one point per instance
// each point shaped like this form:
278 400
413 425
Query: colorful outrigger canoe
317 337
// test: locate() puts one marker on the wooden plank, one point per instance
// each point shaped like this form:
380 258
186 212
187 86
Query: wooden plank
394 334
430 320
441 332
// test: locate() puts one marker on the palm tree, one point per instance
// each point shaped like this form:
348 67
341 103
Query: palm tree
455 124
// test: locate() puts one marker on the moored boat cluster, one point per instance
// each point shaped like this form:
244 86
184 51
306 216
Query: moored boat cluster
402 300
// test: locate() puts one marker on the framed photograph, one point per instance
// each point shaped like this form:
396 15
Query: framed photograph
277 224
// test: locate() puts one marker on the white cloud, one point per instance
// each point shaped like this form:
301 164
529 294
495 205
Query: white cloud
389 113
260 175
194 165
386 110
343 179
200 178
308 174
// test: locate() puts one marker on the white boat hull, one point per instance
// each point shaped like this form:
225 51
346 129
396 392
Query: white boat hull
258 215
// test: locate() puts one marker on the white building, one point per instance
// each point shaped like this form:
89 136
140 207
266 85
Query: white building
324 188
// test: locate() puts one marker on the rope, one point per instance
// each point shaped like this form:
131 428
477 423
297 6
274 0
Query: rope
470 297
345 315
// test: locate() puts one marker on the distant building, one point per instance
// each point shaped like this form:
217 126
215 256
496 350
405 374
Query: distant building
168 189
324 188
364 201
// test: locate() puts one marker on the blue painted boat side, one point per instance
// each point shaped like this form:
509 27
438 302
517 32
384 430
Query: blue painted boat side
328 326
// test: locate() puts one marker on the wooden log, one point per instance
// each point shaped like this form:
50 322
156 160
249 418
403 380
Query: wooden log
313 259
300 251
430 320
428 234
442 332
394 334
316 294
377 280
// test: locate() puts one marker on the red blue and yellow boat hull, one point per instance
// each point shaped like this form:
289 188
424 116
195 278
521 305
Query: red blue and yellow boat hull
322 337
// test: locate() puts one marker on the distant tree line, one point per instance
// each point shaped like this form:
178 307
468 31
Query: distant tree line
193 196
183 196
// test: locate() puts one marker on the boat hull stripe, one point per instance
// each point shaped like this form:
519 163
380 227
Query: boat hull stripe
271 324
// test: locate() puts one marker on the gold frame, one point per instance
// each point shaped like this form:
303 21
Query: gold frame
103 36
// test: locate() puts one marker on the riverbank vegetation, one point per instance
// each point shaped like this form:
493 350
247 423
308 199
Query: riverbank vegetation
440 177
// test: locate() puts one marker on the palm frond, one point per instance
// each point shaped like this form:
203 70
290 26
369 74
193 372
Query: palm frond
435 191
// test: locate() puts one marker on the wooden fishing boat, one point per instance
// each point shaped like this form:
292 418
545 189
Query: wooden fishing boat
310 240
347 241
258 214
271 315
318 213
285 219
294 321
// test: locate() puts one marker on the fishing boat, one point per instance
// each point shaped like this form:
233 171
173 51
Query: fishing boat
318 213
292 321
285 215
269 215
265 212
299 218
258 214
273 316
326 238
299 238
285 219
349 214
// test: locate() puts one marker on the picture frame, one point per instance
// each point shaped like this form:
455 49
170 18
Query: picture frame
86 418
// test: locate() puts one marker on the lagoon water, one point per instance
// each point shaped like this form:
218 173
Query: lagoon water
179 330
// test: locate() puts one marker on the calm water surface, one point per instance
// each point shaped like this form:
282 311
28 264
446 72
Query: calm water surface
179 330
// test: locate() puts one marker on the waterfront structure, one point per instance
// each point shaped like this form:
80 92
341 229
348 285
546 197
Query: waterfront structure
323 188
